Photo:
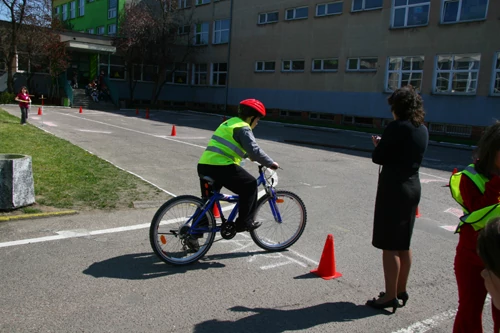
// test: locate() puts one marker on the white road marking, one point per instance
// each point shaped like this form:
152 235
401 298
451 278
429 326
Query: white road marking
431 159
184 137
455 211
449 227
428 324
91 131
427 174
426 181
283 263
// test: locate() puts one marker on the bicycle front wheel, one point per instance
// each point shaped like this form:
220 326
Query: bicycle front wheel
273 235
170 232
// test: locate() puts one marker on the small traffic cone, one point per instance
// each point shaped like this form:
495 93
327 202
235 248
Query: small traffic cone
174 132
136 111
81 111
326 268
39 111
417 214
216 211
147 113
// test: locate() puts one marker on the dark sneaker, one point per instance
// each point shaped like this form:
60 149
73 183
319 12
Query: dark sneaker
193 244
253 226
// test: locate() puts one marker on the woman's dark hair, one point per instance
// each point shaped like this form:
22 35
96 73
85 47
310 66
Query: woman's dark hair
23 87
488 246
407 104
487 149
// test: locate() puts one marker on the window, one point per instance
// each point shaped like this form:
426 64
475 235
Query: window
112 9
463 10
270 17
177 73
81 7
111 29
100 30
292 65
332 8
200 72
57 12
457 74
359 5
219 74
202 2
23 63
402 71
410 13
201 34
362 64
90 31
72 9
184 4
325 65
496 76
221 32
184 30
296 13
65 11
113 66
265 66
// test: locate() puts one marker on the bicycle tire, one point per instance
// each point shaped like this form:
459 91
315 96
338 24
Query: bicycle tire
185 205
269 223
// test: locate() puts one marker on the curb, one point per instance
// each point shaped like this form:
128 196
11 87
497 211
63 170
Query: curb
37 215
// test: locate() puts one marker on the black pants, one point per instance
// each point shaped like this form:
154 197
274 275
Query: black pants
237 180
24 115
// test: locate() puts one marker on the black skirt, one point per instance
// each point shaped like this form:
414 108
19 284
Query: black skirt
398 195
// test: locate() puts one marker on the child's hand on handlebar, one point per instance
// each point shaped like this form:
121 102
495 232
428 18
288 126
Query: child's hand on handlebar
275 166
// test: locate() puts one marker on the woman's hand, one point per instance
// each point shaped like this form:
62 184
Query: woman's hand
376 140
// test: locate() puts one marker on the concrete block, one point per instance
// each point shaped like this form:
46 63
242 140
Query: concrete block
16 181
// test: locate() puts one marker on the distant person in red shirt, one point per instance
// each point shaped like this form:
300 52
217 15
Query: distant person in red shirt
24 103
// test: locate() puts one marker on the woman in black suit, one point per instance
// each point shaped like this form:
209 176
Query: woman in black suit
399 151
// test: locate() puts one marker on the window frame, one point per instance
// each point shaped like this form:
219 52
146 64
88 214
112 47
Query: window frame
326 8
264 70
91 31
496 71
183 4
181 30
196 33
402 71
359 65
363 9
407 9
460 2
267 15
72 9
218 72
100 30
195 74
202 2
65 12
451 72
322 70
220 31
291 70
112 25
81 8
295 13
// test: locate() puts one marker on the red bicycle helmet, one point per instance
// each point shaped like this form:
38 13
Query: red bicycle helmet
255 105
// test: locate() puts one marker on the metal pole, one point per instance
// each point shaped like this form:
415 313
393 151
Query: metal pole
229 52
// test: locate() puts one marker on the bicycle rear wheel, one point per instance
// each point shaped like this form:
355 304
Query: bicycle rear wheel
273 235
170 234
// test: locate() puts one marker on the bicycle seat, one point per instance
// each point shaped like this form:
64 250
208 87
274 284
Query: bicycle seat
209 180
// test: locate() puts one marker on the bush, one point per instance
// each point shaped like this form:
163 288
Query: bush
7 98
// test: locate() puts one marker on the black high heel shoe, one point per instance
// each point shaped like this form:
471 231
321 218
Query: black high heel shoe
390 303
403 296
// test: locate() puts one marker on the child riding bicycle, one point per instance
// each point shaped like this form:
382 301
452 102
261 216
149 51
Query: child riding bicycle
231 142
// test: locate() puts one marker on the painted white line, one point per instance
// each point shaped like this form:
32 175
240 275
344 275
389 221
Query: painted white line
428 174
449 227
428 324
455 211
295 261
303 257
183 137
91 131
319 186
275 265
431 159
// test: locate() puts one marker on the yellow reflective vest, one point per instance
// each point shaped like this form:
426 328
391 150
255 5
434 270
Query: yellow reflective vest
477 219
222 149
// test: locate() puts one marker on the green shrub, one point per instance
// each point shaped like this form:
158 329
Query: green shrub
7 98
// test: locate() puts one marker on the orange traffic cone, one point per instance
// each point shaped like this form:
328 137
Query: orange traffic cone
326 268
216 211
136 111
81 111
417 214
147 113
39 111
174 132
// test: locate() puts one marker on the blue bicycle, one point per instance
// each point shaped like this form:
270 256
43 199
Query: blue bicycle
184 228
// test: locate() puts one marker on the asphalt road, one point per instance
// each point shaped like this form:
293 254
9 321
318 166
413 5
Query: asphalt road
96 272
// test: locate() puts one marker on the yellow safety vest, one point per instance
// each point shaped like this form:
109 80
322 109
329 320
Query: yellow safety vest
222 149
479 218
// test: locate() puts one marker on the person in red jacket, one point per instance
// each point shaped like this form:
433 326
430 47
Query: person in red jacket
488 247
24 104
468 264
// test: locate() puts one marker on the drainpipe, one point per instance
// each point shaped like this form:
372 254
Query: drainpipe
229 52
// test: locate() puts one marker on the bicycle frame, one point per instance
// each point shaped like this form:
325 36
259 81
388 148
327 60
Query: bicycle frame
217 197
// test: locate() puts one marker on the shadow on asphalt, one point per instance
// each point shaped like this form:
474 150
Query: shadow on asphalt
141 266
266 320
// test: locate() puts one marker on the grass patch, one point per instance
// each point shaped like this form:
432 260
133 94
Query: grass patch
30 210
68 177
